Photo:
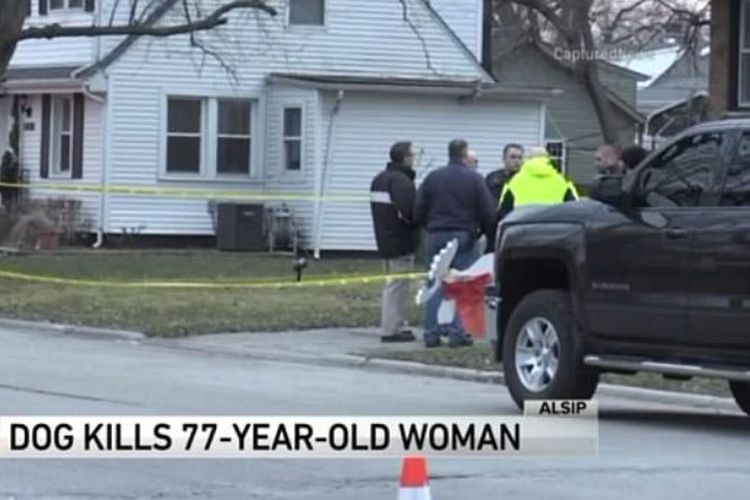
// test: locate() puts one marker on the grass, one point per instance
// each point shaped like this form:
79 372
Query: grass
480 357
179 312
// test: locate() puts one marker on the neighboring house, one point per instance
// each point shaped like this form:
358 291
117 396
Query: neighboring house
675 96
321 92
572 128
729 80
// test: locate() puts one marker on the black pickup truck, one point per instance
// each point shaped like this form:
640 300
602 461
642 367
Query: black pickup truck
651 273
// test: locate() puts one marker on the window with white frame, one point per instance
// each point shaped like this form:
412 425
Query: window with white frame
208 137
65 4
307 12
61 152
292 138
744 55
184 135
557 151
234 140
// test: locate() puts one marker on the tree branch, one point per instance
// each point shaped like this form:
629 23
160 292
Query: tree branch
216 18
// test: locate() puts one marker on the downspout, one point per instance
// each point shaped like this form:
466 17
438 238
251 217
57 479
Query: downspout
324 171
104 143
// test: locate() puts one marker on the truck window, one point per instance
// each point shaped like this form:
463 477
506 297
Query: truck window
736 191
681 174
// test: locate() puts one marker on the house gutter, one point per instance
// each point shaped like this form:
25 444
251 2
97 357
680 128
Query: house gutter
476 92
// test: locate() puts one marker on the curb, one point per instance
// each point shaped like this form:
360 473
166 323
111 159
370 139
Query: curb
84 331
464 374
368 362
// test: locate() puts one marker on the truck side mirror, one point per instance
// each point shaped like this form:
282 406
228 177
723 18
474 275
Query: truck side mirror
608 189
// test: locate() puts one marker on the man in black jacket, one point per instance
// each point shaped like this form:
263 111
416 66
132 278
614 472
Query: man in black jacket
453 202
392 198
512 160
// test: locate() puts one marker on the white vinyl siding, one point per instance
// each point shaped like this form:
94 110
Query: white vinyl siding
360 38
464 17
68 51
365 130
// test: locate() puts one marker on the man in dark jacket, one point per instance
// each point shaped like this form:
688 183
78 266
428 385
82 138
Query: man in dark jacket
392 198
497 179
453 202
512 160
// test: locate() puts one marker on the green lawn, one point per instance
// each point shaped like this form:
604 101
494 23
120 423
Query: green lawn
175 312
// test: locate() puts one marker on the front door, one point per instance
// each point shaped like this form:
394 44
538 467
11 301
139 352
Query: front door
638 284
719 299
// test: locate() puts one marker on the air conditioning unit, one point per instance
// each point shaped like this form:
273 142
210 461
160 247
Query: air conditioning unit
239 226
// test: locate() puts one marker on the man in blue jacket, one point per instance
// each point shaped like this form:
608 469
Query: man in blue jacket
453 202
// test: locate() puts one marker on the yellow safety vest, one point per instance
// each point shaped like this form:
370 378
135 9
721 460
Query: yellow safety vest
538 183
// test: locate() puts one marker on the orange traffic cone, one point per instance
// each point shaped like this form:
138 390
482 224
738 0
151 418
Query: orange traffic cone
414 484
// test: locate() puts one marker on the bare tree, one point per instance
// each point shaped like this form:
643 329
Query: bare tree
141 20
590 28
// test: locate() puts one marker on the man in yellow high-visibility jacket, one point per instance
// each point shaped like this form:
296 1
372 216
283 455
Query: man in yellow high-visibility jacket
537 183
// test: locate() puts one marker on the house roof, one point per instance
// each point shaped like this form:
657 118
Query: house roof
613 97
32 77
162 9
465 88
625 107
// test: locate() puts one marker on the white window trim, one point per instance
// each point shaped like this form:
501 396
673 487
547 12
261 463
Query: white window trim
55 171
209 137
66 6
740 53
563 158
302 138
289 24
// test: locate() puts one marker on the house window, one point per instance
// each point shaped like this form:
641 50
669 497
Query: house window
208 137
65 4
234 138
293 138
744 54
557 151
307 12
61 153
184 135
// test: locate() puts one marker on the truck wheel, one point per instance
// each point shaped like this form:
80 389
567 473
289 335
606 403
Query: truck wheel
542 357
741 393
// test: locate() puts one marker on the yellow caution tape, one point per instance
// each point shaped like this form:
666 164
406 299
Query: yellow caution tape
320 282
217 194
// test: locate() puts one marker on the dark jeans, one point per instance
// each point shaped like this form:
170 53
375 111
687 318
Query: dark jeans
465 257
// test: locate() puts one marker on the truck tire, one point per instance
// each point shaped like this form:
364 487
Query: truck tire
542 355
741 393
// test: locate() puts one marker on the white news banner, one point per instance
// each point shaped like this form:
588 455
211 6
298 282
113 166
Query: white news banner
547 428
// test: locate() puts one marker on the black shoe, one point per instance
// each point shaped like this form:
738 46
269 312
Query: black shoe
431 340
404 336
463 340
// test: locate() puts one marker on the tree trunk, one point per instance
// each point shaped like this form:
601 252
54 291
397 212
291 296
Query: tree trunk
589 70
12 15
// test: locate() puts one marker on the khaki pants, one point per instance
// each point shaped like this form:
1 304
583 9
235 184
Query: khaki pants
396 299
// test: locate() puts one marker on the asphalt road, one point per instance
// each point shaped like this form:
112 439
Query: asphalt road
648 449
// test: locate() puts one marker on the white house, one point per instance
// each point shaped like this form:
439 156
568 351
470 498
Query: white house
311 104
